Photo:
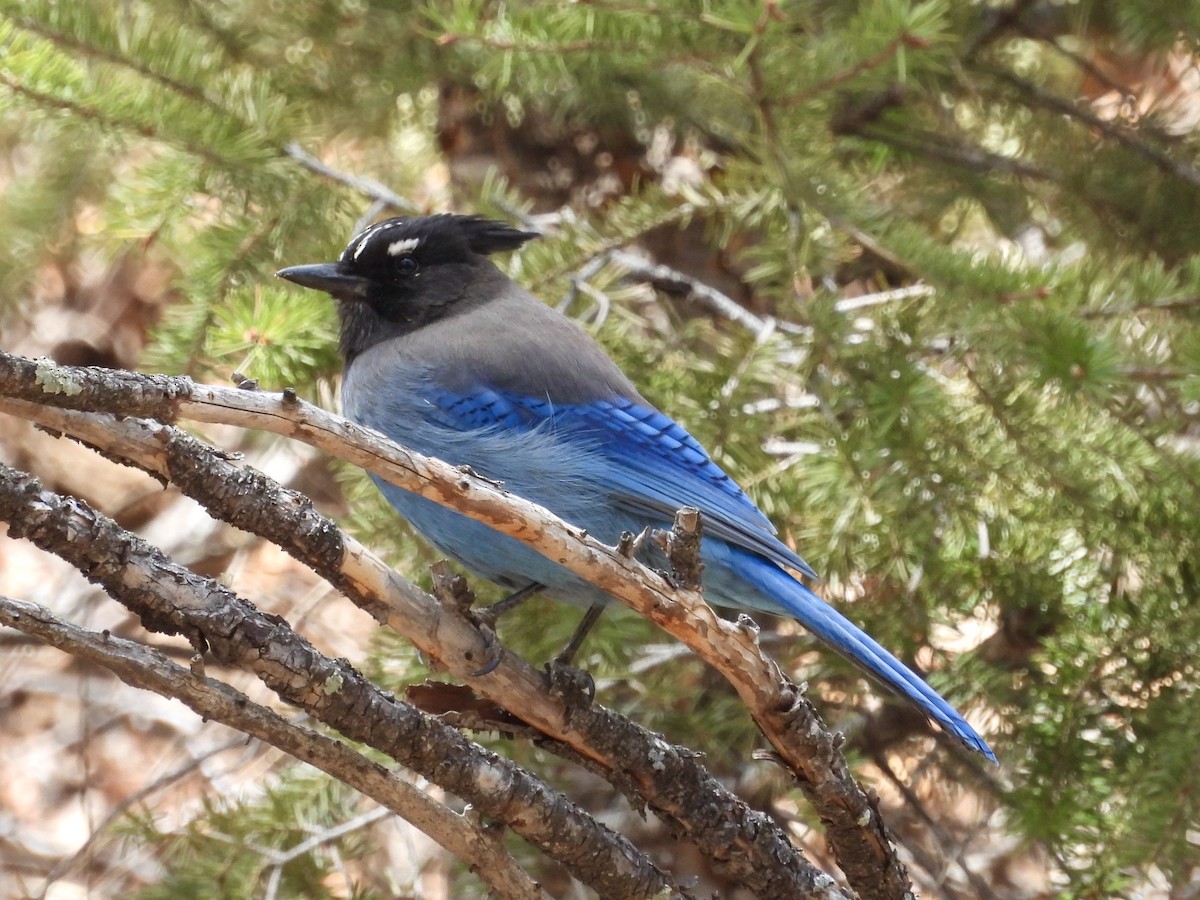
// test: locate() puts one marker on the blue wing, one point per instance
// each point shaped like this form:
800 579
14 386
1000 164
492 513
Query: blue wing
649 464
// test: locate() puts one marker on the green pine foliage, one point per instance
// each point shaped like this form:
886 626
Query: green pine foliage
243 849
1011 451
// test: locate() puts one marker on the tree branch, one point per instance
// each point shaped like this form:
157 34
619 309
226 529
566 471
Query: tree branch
173 600
862 843
743 844
368 187
141 667
1124 136
961 154
666 278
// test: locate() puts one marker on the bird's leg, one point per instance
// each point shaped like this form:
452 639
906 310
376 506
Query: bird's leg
581 632
575 686
490 615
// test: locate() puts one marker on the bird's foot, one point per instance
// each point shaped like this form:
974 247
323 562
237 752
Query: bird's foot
576 687
455 593
487 618
495 654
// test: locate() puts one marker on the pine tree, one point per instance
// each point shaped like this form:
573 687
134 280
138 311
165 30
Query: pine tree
927 284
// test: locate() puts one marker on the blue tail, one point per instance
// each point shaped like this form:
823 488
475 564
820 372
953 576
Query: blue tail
778 590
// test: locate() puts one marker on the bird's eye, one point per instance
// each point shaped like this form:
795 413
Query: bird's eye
406 265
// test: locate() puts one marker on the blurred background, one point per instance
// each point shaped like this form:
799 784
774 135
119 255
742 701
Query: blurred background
923 276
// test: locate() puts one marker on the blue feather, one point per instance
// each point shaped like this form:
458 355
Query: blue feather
448 356
617 465
779 590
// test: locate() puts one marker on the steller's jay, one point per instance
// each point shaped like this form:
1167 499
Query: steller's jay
448 356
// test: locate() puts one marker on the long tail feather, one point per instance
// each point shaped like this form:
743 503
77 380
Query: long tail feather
825 622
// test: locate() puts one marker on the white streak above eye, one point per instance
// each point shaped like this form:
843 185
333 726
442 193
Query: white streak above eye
402 246
365 239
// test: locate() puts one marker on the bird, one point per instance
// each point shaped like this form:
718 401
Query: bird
446 355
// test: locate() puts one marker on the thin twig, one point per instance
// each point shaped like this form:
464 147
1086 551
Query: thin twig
137 66
1181 304
368 187
95 114
83 854
948 846
966 157
1124 136
281 858
900 41
674 280
911 292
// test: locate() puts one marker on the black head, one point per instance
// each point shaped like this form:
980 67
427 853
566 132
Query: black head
401 274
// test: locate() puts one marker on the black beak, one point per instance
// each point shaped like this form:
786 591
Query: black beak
326 277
